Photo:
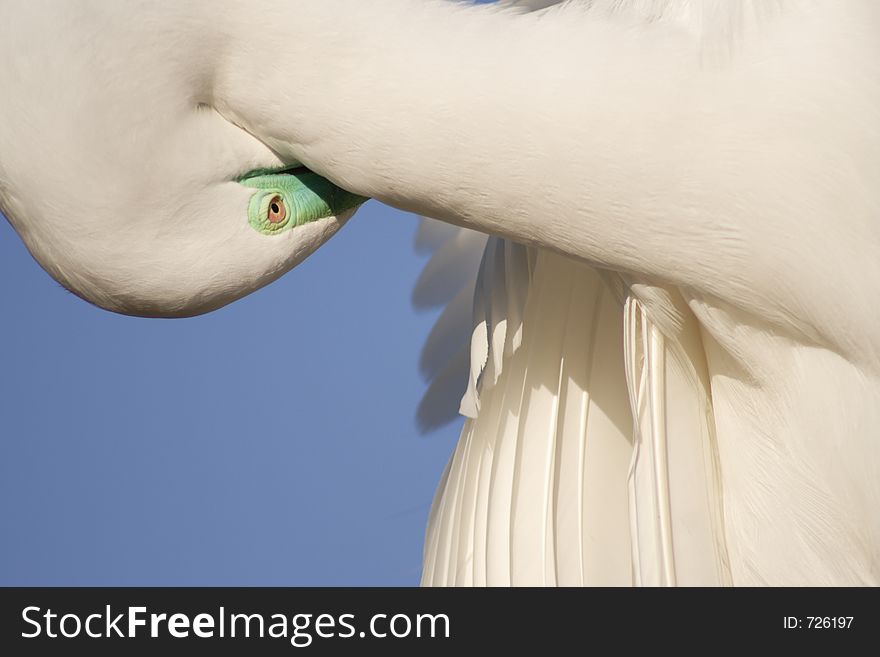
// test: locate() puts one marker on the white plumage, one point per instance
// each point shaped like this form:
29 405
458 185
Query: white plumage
674 347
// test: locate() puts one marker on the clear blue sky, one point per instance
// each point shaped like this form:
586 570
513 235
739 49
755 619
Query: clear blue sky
151 452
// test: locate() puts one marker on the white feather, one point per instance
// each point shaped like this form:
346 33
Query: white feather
553 444
716 161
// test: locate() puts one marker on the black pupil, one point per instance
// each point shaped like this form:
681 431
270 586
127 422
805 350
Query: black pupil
275 208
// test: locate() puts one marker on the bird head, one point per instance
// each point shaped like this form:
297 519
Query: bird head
161 216
128 176
203 247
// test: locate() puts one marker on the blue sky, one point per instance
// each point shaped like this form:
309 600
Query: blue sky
136 451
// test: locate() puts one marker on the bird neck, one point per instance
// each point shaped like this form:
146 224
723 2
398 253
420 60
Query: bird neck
611 139
495 120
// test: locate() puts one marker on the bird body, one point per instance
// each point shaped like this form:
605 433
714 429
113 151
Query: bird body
691 186
726 476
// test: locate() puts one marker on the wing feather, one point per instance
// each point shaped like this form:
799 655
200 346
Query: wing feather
483 282
451 267
543 485
448 279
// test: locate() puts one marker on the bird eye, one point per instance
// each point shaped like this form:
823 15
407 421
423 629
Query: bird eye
271 211
277 211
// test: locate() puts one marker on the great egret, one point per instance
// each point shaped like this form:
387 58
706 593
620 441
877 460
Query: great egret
689 194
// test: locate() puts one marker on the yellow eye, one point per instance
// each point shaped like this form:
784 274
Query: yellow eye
277 210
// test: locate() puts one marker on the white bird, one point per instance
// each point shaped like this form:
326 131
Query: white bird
675 357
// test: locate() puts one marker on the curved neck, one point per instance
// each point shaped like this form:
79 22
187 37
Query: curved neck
613 141
499 121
